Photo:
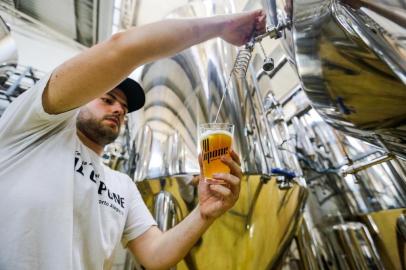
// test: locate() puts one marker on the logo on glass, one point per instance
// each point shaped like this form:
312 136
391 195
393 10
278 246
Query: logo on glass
215 142
217 153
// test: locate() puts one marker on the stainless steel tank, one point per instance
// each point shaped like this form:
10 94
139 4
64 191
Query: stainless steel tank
352 65
356 191
8 62
8 47
357 195
184 91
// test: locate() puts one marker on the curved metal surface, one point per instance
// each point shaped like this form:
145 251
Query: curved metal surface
280 12
166 211
391 245
8 47
311 252
354 247
401 226
352 70
8 63
252 235
372 188
373 194
184 91
352 64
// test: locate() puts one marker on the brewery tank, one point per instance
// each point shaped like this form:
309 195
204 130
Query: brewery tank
184 91
351 63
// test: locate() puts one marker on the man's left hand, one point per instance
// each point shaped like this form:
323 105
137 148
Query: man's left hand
216 199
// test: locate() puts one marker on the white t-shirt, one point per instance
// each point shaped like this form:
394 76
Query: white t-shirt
60 208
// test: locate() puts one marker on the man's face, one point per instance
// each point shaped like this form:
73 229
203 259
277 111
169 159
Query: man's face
100 119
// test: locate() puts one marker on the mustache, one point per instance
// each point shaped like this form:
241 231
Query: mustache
113 117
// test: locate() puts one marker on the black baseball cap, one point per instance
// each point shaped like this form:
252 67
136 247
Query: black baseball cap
134 93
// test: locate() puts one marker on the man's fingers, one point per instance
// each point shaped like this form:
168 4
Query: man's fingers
259 15
260 29
260 26
233 165
235 157
228 178
232 182
200 162
221 190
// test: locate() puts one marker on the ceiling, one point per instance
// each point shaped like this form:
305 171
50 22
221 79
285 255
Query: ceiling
76 19
91 21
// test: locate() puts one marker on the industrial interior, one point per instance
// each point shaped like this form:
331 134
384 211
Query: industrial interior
319 108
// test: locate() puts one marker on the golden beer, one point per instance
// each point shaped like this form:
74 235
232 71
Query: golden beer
215 143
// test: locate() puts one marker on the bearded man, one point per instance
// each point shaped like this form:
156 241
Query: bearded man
61 208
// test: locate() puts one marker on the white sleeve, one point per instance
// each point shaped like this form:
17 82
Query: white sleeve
139 218
25 116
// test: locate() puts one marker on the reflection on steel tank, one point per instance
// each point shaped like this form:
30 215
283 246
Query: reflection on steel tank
355 205
352 64
355 212
184 91
8 47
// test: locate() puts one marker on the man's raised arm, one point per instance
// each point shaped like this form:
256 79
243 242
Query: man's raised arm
102 67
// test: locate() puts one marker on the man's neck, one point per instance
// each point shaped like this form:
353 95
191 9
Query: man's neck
98 149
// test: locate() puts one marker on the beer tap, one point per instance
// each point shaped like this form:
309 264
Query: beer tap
274 33
244 55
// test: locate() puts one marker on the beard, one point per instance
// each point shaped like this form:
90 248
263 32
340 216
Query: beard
94 129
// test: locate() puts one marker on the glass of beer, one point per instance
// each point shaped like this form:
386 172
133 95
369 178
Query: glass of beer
215 141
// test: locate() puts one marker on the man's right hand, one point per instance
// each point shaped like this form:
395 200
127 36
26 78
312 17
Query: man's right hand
241 27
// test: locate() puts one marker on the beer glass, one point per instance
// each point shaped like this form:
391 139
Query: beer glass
215 141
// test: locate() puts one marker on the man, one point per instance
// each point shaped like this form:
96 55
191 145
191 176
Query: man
61 209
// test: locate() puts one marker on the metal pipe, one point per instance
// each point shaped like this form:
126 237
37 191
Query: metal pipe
366 164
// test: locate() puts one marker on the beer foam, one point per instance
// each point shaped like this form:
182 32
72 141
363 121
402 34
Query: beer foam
212 132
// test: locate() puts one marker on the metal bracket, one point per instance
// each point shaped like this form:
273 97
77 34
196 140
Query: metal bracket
271 32
284 177
286 184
